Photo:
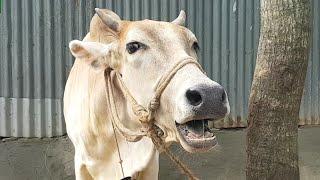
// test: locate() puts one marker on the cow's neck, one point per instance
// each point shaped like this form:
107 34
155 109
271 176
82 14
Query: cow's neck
135 155
124 108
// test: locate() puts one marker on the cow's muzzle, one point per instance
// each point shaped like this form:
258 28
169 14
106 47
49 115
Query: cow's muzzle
207 101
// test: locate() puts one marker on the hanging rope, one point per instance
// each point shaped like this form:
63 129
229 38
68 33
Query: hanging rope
145 116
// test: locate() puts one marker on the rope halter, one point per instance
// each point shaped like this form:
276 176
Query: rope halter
144 115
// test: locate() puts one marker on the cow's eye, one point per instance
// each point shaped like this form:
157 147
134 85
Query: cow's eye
132 47
196 47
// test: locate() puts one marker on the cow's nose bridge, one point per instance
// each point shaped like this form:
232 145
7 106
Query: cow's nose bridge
181 63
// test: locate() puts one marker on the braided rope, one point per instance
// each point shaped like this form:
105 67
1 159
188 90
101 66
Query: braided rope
145 116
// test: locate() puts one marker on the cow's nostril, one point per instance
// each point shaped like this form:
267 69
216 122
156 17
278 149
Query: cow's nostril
193 97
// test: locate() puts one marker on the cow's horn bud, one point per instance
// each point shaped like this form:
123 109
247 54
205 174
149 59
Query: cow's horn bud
181 19
108 19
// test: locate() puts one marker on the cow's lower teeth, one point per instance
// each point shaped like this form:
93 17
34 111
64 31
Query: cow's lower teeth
193 133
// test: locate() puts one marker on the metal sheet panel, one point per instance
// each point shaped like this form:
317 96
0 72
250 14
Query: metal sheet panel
310 106
27 117
35 58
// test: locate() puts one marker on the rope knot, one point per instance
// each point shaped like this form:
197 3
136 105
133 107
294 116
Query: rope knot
141 112
154 104
145 129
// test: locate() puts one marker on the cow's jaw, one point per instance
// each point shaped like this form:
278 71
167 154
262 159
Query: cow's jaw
195 136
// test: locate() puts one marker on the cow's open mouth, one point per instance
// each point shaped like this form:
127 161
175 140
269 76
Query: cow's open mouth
196 136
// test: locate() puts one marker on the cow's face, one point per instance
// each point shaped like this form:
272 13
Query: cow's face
143 51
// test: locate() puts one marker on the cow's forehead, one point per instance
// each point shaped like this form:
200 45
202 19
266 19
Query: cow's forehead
156 31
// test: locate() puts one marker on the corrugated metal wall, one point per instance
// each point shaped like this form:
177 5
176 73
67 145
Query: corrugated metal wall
310 106
35 59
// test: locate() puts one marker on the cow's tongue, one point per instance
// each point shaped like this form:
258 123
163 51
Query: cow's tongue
197 127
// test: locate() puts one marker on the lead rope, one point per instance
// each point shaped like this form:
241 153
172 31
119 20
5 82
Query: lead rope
119 155
146 117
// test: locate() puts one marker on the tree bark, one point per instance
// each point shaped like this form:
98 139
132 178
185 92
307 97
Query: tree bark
272 137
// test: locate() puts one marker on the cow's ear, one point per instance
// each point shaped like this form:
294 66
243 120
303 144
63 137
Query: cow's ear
94 53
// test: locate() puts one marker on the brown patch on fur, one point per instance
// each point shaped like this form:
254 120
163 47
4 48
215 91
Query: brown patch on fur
149 27
125 27
100 32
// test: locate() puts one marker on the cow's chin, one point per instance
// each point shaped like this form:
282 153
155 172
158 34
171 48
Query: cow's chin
195 136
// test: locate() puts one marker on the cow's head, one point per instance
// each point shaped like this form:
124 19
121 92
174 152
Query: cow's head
142 51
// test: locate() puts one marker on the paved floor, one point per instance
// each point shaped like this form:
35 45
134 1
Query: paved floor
53 158
227 162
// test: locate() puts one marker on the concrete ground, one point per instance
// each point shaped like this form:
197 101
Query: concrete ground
53 158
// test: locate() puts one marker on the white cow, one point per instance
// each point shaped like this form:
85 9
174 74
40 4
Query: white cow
142 51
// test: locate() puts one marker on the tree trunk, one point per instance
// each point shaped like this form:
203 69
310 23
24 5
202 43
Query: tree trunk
272 139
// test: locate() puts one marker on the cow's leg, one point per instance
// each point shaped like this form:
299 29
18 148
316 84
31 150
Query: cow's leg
81 170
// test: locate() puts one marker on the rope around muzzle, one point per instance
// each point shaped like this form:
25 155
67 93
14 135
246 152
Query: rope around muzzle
144 115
